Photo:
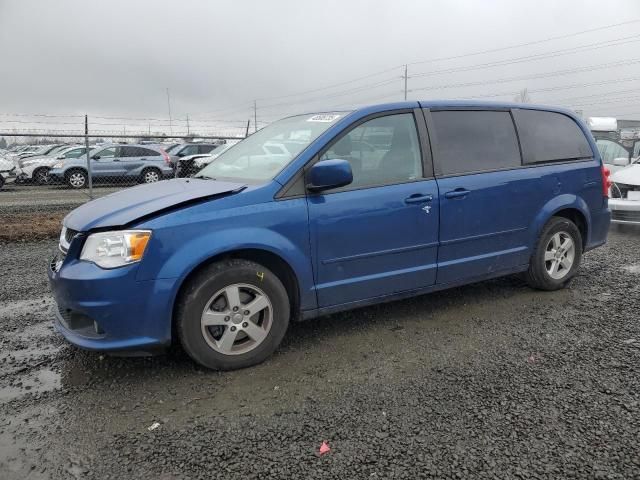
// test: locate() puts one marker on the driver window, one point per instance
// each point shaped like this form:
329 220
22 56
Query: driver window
107 153
382 150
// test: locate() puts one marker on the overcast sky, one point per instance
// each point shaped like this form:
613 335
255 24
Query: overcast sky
116 58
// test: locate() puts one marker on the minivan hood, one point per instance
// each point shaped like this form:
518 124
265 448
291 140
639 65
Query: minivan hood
629 175
123 207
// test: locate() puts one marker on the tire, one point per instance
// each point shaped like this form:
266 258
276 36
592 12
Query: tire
1 181
150 175
566 259
77 178
210 297
41 176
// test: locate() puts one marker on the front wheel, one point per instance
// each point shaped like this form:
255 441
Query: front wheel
41 176
77 179
233 314
557 255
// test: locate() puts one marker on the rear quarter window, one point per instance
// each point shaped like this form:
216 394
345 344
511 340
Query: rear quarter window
475 141
550 137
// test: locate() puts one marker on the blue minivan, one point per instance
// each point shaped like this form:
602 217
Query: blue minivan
325 212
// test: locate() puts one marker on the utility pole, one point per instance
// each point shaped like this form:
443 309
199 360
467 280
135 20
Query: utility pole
169 104
255 116
188 124
246 133
405 82
86 146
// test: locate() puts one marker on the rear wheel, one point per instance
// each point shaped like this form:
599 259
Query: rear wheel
557 255
41 176
233 314
151 175
77 178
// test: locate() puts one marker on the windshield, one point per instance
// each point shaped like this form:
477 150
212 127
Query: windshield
172 148
58 149
262 155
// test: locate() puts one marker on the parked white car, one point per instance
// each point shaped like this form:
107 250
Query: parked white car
7 169
625 194
36 169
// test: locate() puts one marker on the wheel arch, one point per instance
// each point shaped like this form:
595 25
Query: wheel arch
70 170
274 262
570 207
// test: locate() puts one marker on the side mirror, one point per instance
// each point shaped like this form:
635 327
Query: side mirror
621 162
96 157
181 154
328 174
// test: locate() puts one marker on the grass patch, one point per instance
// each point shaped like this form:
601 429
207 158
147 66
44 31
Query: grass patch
27 226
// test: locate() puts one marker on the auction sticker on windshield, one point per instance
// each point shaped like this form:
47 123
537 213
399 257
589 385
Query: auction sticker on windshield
323 118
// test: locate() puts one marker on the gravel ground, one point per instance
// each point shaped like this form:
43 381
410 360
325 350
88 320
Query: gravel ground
491 380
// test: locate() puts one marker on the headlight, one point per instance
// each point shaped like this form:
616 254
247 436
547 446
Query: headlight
115 249
58 165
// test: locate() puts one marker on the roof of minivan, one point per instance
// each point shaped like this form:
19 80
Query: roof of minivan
491 105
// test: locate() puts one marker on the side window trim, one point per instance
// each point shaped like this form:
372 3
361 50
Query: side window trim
437 163
528 162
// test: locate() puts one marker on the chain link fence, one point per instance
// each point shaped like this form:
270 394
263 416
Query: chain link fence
39 184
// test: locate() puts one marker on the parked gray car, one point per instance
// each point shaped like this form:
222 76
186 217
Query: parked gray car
115 163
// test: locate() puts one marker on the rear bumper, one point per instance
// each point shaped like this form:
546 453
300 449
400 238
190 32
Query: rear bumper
625 211
109 310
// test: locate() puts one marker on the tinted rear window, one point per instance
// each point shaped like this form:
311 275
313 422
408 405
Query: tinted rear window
475 141
550 136
147 152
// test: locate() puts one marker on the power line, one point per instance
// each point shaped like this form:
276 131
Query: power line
527 44
536 42
559 87
531 77
528 58
337 94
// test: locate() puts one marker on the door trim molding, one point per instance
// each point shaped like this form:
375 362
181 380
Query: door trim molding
377 253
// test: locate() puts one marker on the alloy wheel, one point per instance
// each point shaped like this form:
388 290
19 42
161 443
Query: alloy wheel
77 180
151 176
237 319
559 255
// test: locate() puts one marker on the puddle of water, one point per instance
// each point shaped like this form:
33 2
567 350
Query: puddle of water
635 268
44 380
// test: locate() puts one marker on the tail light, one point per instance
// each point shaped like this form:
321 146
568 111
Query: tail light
167 159
606 181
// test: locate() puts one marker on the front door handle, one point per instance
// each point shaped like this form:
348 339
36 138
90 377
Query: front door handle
457 193
418 198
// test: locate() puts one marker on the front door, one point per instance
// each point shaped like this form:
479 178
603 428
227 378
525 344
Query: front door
379 235
103 166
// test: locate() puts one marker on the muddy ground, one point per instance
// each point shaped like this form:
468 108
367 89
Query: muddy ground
491 380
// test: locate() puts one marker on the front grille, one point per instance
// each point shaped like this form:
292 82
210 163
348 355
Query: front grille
69 234
626 215
620 190
66 236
